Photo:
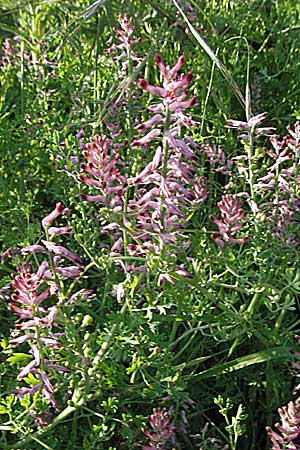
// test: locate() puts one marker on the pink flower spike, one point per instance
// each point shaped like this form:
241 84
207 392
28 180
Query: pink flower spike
59 209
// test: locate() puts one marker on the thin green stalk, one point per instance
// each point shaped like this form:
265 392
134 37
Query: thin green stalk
175 323
22 68
106 344
249 149
251 307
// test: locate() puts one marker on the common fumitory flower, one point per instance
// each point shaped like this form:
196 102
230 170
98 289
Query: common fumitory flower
102 172
27 250
232 221
165 277
60 230
147 138
30 292
32 303
289 428
69 272
281 211
59 209
251 126
252 123
62 251
162 430
125 34
155 120
217 158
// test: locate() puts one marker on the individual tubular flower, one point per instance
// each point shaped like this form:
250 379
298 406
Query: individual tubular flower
289 428
162 430
59 209
232 221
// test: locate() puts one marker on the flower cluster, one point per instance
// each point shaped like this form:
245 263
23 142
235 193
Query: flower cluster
251 127
172 172
8 52
128 98
162 430
37 322
282 179
289 428
166 187
124 50
101 172
232 221
36 303
217 159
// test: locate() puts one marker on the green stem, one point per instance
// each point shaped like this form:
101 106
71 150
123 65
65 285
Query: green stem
249 148
105 345
22 51
250 309
176 321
